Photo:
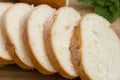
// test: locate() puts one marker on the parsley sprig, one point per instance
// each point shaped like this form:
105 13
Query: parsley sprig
110 9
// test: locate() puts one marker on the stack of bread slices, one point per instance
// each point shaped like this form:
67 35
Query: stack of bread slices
58 41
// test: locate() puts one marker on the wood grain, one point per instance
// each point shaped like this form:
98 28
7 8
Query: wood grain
13 72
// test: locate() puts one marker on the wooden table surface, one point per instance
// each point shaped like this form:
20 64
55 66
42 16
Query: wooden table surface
13 72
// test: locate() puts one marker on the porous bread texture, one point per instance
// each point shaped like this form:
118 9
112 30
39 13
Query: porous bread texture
4 54
34 31
57 34
14 20
99 51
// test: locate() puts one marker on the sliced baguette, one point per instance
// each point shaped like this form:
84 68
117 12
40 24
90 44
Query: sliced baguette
34 37
95 49
14 20
57 34
5 58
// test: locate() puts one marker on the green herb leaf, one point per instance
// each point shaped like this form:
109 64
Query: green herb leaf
110 9
106 13
101 3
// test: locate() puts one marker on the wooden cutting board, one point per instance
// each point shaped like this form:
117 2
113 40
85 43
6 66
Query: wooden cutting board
13 72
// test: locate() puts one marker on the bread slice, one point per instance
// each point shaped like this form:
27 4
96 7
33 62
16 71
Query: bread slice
5 58
53 3
97 55
14 20
34 37
57 34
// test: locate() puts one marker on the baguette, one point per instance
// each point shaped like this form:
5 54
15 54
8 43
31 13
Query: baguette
57 34
34 36
14 20
5 58
95 49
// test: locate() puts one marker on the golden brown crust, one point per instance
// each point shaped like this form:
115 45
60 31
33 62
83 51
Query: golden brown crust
34 60
53 3
84 74
6 3
50 50
2 59
10 46
5 61
76 51
11 49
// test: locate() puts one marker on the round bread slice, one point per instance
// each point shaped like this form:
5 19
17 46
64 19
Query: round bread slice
57 34
34 34
96 49
14 20
5 58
